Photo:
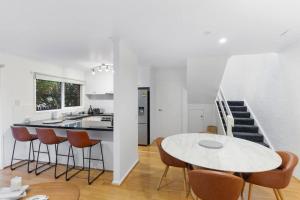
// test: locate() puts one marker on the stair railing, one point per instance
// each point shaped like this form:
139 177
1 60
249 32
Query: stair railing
226 112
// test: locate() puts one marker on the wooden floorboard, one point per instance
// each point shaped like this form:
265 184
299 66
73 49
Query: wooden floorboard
140 184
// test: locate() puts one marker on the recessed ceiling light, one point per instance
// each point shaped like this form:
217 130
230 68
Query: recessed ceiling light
223 40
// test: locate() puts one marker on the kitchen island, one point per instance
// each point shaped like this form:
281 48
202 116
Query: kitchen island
95 129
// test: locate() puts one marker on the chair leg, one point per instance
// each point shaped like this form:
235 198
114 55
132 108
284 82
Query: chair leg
37 162
22 161
276 194
243 189
55 169
250 191
102 156
12 156
73 167
185 182
89 169
280 194
163 175
29 156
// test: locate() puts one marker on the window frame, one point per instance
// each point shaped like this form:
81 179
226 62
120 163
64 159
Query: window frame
63 107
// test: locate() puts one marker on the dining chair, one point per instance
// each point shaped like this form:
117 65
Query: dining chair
81 140
276 179
21 134
215 185
48 138
170 161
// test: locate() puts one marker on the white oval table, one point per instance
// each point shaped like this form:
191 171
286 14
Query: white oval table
236 155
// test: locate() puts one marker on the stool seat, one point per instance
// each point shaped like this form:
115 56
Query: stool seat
21 134
33 137
81 140
94 142
61 139
48 136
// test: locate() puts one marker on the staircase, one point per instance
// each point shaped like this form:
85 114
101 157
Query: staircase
244 126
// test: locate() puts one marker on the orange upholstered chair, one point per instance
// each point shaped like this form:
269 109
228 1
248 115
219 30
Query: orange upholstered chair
214 185
21 134
276 179
170 161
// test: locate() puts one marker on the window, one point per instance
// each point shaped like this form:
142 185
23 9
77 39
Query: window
54 95
72 95
48 95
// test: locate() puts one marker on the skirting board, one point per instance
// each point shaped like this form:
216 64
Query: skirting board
119 182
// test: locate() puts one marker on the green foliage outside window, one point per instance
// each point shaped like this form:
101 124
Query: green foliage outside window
72 95
48 95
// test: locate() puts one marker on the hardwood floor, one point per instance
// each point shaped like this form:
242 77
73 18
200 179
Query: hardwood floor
141 183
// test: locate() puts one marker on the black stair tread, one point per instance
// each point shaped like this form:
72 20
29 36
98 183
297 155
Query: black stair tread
246 133
243 119
241 114
238 108
245 126
254 137
235 103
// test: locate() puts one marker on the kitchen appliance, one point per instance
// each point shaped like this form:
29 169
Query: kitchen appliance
144 116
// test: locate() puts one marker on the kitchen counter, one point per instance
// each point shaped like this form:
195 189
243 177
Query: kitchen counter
78 124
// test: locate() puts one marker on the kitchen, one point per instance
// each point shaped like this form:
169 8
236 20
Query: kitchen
93 112
67 103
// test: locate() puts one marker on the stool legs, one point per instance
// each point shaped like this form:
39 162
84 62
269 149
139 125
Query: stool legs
90 180
37 161
17 165
55 168
73 167
101 160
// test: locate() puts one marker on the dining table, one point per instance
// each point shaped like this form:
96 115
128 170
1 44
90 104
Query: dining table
221 152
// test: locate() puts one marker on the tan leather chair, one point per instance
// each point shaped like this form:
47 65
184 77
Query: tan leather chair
214 185
276 179
170 161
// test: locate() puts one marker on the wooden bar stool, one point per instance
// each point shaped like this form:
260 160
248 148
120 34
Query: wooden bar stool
48 137
81 140
21 134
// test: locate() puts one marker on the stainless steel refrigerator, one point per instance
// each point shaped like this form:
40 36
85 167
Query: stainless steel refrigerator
144 115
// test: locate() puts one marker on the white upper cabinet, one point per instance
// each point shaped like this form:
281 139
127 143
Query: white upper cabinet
100 83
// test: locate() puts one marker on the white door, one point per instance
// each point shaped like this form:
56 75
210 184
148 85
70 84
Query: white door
196 121
168 109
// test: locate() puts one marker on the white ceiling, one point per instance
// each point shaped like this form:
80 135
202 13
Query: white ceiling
162 32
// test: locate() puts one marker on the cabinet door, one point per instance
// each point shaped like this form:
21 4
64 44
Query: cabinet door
100 83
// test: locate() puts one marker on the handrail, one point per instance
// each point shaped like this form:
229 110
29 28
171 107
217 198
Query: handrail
227 116
225 101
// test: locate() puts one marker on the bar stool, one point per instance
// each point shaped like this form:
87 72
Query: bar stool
81 140
21 134
48 137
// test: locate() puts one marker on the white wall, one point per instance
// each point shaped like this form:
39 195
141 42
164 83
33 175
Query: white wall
125 115
169 102
144 76
270 84
204 76
18 93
